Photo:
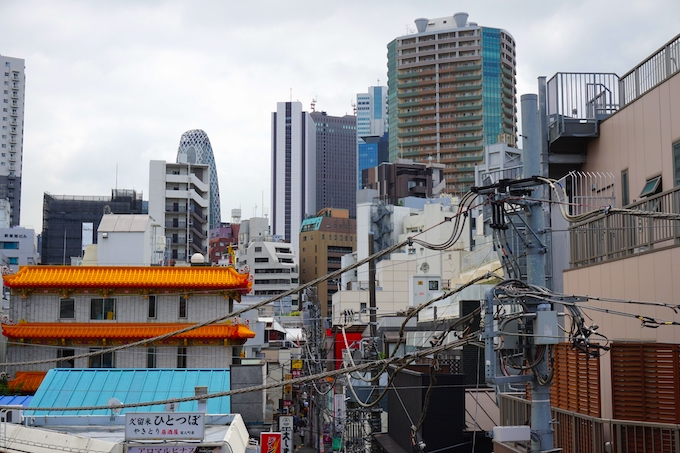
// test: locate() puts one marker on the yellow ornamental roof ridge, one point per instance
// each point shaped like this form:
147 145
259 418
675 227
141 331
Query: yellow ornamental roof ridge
129 277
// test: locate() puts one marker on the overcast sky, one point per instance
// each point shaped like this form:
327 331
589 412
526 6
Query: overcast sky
115 84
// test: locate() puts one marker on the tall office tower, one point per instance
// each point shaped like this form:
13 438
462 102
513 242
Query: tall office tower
372 145
12 133
293 187
336 161
179 201
194 148
451 92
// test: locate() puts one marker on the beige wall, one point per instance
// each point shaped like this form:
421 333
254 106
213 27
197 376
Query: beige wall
640 138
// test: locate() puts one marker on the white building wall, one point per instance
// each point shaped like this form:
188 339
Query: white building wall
129 308
24 240
171 183
302 171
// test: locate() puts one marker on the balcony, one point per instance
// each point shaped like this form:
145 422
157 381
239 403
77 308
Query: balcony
616 235
576 104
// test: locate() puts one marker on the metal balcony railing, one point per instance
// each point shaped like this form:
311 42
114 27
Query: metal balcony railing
617 235
577 433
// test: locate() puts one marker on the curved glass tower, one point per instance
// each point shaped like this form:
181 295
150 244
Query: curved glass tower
194 148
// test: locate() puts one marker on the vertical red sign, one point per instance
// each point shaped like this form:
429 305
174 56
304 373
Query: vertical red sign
270 443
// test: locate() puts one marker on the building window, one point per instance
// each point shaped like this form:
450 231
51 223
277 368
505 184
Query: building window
652 186
67 358
182 357
151 357
625 198
261 260
104 360
103 308
183 302
676 163
13 260
152 306
67 309
258 249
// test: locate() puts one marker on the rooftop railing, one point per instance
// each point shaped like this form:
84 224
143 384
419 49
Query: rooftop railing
660 66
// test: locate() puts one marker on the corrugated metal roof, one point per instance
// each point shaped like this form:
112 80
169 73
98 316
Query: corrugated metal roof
63 387
15 400
124 277
127 331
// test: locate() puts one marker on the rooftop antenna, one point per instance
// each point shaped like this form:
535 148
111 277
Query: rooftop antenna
354 107
313 106
116 175
291 94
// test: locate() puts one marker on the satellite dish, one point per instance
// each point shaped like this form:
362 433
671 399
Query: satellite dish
425 267
114 404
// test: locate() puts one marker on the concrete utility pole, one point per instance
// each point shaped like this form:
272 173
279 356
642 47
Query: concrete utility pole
530 332
541 414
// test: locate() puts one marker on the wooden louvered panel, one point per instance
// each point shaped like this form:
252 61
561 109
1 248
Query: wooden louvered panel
576 385
645 383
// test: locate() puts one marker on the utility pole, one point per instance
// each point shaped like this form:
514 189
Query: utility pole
527 332
541 414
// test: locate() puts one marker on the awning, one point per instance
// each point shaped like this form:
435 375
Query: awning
123 331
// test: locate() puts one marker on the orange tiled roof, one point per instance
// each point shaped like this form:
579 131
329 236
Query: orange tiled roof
122 331
124 277
27 381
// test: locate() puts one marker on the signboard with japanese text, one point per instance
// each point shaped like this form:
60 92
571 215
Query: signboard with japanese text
296 364
164 425
286 428
270 442
175 449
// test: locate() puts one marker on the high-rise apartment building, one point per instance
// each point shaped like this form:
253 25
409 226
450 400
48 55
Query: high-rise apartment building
451 89
372 145
336 161
195 148
293 187
12 133
179 201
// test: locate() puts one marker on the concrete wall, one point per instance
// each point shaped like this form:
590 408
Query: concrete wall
250 405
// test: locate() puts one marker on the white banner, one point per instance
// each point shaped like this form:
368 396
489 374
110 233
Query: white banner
164 425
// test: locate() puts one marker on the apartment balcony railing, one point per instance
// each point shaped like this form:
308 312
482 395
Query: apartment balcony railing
577 433
617 235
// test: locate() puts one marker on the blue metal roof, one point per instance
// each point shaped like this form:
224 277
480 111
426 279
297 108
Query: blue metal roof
66 387
15 400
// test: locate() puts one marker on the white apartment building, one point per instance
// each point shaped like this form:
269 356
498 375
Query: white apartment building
12 132
18 247
273 264
179 201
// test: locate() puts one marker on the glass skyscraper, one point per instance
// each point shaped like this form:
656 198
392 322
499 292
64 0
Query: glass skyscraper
371 128
451 91
194 148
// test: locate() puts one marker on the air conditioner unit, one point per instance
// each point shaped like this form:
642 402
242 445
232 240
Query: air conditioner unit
12 415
